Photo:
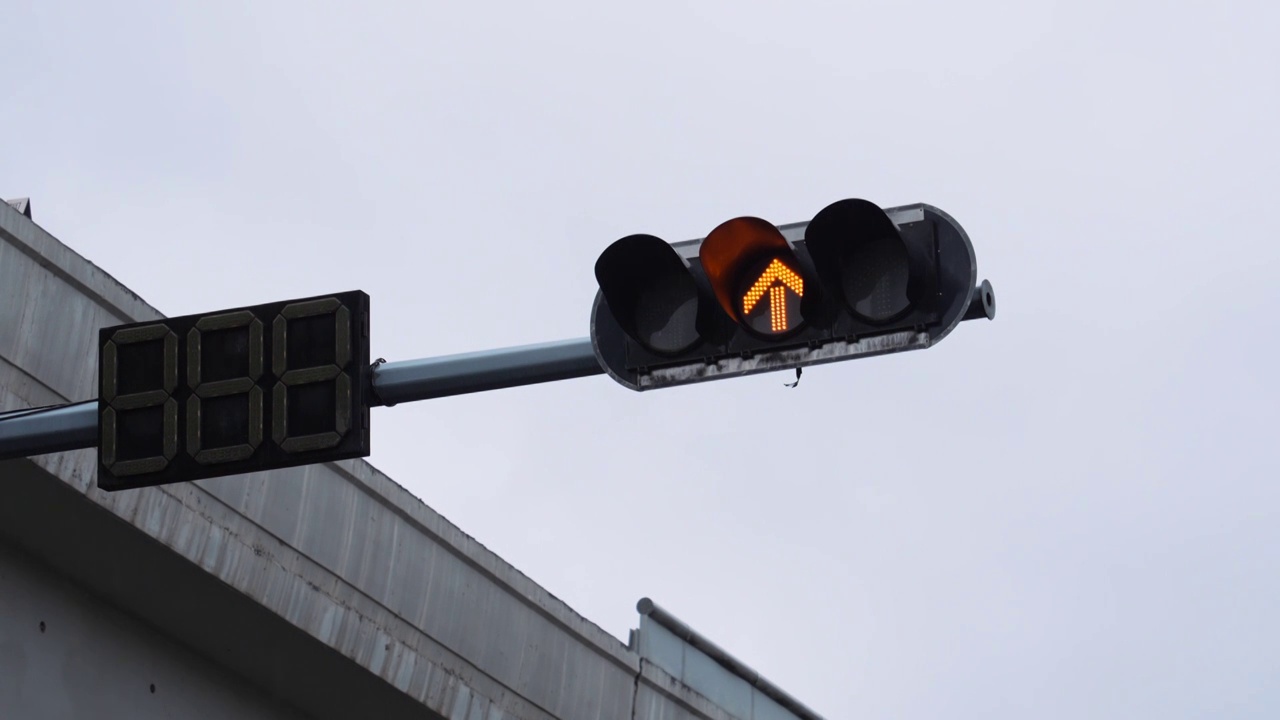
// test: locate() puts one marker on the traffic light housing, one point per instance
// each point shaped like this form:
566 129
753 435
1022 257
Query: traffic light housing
856 280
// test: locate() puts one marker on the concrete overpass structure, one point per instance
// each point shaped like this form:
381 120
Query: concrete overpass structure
323 591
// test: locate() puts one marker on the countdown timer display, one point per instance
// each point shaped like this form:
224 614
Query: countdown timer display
233 391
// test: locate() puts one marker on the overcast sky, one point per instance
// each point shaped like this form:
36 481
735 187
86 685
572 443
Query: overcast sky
1070 512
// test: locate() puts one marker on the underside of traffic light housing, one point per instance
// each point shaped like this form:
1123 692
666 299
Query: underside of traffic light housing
751 297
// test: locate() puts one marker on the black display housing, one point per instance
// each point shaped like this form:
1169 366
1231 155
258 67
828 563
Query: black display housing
234 391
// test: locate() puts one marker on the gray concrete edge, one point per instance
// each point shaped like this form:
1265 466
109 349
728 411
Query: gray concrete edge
655 680
73 268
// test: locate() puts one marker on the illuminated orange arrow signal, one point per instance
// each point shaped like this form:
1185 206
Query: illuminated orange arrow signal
775 279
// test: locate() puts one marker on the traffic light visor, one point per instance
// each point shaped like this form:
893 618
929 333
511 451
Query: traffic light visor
860 256
650 293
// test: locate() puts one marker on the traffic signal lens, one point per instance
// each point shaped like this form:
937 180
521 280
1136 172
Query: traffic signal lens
752 272
666 314
875 274
650 293
858 250
771 298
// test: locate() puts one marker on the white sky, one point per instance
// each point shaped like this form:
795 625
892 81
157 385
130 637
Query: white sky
1069 512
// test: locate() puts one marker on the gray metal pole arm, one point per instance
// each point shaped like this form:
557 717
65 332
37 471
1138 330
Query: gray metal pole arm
428 378
71 427
40 431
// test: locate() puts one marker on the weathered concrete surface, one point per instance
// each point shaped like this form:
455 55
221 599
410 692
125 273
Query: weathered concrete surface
63 654
328 589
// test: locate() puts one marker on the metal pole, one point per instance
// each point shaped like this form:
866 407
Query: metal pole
69 427
75 426
428 378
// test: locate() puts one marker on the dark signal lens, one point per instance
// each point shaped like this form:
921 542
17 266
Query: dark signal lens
875 275
858 251
650 293
666 314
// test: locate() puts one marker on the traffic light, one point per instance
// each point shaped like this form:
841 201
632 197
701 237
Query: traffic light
856 280
233 391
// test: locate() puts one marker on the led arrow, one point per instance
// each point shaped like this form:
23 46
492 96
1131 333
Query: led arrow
775 279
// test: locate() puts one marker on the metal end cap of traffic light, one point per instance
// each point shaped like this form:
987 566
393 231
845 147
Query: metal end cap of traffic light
855 281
